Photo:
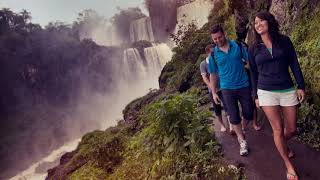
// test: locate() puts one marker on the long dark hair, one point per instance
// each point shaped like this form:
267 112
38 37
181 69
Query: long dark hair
273 27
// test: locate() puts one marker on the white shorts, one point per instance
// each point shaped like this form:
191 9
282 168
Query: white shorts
268 98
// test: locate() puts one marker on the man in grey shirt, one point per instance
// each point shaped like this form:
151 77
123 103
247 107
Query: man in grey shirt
217 108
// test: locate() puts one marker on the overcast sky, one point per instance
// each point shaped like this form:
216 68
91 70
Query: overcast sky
44 11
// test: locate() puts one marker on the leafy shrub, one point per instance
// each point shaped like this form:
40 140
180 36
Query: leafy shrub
308 125
306 37
175 123
183 80
175 144
88 171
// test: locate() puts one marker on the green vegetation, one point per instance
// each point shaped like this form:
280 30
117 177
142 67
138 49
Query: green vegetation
88 172
306 38
97 156
306 35
176 143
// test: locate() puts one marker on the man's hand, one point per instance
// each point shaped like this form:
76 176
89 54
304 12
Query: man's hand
301 95
216 98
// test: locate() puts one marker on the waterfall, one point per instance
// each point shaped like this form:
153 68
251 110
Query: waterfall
141 29
157 56
133 67
196 12
140 77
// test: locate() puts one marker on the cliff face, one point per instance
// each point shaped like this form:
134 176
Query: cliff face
163 15
145 141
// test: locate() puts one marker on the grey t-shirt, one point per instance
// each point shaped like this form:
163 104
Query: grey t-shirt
204 70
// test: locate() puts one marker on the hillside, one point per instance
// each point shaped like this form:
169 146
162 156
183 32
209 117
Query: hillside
166 134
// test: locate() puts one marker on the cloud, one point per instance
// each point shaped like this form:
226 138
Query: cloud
3 5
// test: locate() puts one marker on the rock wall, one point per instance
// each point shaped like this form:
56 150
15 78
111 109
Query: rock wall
196 12
141 29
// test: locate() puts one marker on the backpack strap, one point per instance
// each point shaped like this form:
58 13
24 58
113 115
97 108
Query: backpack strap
241 44
212 55
214 59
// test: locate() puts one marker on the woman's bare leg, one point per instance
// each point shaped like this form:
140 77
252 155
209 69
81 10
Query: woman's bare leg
273 115
290 120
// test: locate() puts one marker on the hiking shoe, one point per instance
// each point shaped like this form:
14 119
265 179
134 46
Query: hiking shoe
243 148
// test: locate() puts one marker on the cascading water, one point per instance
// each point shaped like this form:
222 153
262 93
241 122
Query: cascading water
157 56
133 67
141 29
139 77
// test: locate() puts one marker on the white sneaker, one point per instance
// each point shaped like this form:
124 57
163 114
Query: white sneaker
243 148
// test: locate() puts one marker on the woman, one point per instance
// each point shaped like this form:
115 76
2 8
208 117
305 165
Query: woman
270 57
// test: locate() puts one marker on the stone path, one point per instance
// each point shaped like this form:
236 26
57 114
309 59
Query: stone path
264 161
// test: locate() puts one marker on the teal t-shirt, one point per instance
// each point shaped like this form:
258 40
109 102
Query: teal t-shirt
270 51
229 66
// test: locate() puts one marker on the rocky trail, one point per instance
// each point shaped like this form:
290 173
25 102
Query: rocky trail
264 161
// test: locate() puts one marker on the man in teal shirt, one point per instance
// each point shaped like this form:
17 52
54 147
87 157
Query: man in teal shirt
227 63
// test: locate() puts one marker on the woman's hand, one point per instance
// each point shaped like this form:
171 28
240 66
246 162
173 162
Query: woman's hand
301 95
257 103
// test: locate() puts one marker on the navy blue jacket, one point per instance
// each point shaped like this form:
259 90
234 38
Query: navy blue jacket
271 72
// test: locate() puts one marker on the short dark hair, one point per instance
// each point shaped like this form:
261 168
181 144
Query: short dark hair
216 28
208 48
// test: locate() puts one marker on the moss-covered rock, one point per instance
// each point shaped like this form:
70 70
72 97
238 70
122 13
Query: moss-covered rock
131 111
99 153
